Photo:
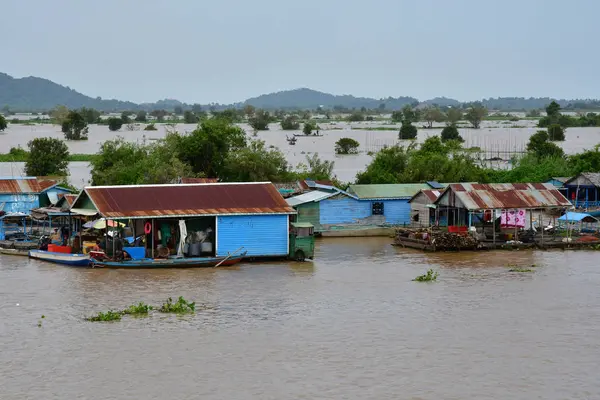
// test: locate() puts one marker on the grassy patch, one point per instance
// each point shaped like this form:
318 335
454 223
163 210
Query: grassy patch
520 270
22 155
181 306
429 276
374 128
106 316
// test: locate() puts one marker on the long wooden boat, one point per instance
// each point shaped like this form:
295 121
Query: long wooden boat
74 260
14 252
193 262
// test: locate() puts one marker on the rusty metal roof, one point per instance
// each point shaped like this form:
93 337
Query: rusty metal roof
431 194
25 185
477 196
185 200
68 198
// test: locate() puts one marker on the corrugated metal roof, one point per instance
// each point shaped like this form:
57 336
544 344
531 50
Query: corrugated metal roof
315 195
187 200
431 194
562 179
435 185
27 185
387 191
592 177
479 196
309 183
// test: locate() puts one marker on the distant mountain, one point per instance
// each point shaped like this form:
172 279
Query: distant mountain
311 99
38 94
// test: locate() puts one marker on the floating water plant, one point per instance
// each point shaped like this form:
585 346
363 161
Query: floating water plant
138 309
520 270
430 276
107 316
180 307
40 321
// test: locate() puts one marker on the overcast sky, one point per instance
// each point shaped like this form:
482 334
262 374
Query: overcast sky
228 50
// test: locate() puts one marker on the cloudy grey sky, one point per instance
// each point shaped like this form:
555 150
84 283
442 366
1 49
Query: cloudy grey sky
229 50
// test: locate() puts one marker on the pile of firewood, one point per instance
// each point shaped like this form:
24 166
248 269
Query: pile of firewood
441 240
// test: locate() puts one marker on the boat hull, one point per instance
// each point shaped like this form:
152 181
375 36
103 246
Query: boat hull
198 262
14 252
74 260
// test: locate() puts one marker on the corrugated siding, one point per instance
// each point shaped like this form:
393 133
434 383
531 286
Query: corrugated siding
344 210
309 212
12 203
261 235
396 212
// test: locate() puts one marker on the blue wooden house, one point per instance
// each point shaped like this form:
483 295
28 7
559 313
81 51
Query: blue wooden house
251 215
583 190
21 195
358 209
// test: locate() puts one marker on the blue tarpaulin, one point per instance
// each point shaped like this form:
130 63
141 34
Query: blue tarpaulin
577 217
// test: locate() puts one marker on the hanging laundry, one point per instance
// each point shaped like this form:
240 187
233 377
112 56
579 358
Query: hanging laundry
512 218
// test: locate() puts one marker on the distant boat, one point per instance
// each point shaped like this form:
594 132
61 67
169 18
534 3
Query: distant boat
194 262
74 260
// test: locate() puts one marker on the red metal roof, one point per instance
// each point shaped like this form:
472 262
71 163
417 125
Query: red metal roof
432 194
187 200
26 185
478 196
198 180
69 198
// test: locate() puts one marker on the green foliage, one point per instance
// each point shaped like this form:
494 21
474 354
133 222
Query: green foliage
105 316
356 117
90 115
540 145
475 115
150 127
431 115
309 126
230 115
453 115
141 116
556 133
114 124
123 163
125 117
429 276
47 157
178 110
532 168
137 309
159 115
587 161
397 116
59 114
450 132
190 118
256 163
533 114
410 115
346 146
290 123
407 131
315 168
207 147
433 161
260 120
182 306
3 123
75 127
553 110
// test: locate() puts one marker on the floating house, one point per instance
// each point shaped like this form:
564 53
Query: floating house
422 208
235 215
362 210
21 195
462 204
583 190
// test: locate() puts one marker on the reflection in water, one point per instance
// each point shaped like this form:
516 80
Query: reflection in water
350 325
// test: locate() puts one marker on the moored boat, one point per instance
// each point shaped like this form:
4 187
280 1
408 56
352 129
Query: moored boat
14 252
74 260
192 262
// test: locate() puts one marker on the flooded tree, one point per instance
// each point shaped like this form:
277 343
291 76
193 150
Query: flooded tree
260 120
114 124
47 157
451 133
453 115
475 115
346 146
3 123
75 126
431 115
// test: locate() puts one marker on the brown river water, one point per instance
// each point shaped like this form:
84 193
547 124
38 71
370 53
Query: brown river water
350 325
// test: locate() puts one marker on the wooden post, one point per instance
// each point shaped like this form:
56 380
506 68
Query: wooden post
542 224
153 238
494 227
